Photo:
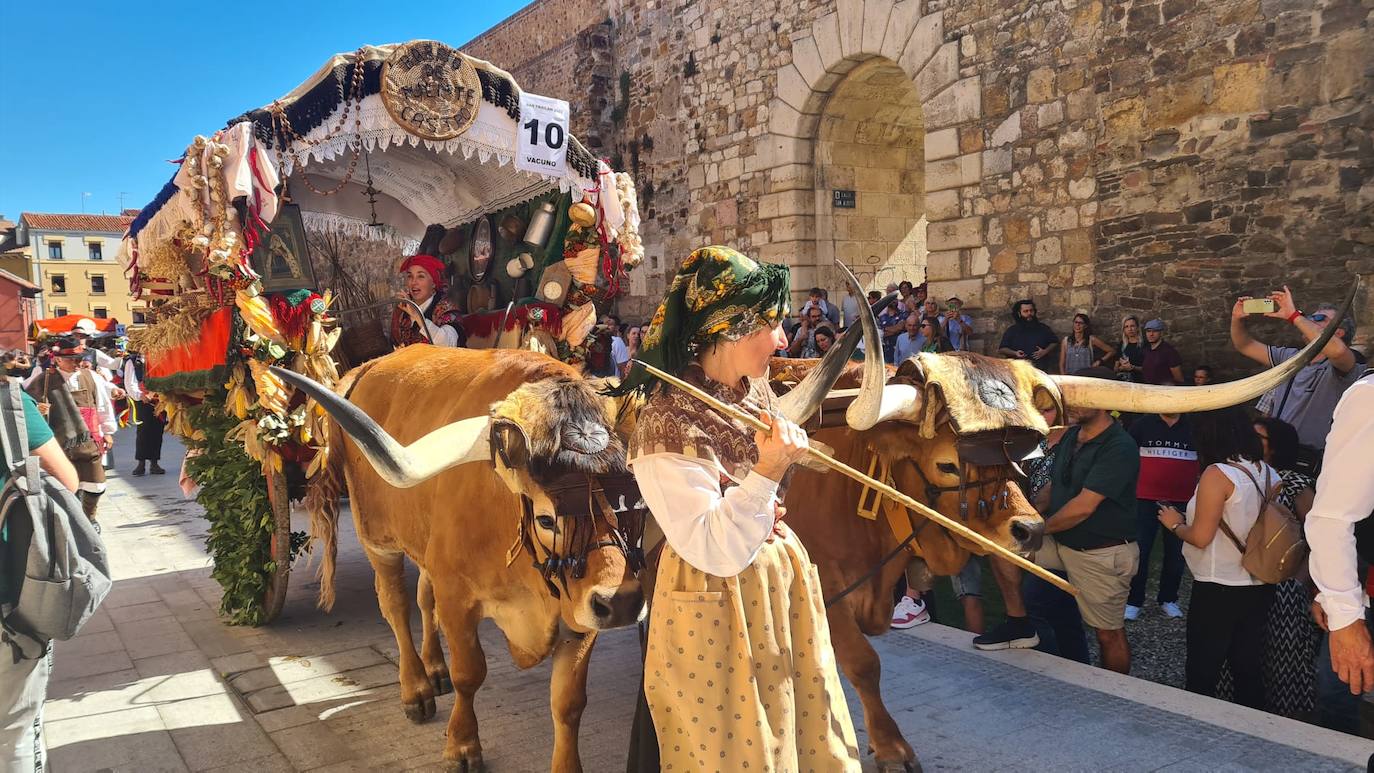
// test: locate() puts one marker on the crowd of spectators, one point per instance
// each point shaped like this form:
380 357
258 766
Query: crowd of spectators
1116 487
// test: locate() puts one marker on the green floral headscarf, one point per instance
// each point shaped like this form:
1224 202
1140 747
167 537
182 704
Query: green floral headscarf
717 294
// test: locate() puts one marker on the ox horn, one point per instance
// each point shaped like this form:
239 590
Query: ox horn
805 399
878 401
1080 392
402 466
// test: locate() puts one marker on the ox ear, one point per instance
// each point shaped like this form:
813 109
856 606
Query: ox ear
402 466
511 443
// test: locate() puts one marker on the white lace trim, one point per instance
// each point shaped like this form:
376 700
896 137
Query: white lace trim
421 186
326 222
433 179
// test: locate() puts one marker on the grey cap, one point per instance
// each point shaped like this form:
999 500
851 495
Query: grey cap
1155 324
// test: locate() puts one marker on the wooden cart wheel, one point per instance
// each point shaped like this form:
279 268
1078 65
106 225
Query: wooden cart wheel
274 599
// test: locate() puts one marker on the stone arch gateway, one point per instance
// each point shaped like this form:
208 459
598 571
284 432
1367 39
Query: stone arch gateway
921 219
869 161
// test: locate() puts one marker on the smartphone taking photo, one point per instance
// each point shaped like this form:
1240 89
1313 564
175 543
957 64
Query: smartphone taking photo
1259 306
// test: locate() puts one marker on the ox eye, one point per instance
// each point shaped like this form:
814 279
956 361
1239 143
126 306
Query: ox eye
547 522
948 468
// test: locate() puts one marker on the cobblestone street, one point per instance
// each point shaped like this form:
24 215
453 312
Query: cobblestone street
157 683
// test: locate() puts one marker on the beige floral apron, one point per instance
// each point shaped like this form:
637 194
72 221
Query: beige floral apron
739 673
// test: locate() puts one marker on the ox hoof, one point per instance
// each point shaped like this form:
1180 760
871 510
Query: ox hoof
419 712
443 685
898 766
471 763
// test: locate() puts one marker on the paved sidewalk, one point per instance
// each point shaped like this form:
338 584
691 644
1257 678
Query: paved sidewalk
157 683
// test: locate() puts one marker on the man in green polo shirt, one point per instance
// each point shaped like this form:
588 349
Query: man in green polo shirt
1089 533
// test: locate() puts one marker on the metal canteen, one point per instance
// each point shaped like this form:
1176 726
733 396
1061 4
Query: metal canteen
541 225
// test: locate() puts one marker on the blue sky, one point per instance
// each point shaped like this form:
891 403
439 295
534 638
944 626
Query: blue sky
95 97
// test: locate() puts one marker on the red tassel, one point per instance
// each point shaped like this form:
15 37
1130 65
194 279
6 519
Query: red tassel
292 320
481 325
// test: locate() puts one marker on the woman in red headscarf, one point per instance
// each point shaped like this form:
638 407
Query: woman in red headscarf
437 321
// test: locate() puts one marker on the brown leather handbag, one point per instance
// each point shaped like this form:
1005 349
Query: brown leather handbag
1274 550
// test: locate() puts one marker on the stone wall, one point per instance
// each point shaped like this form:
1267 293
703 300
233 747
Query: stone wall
1148 156
1236 154
560 48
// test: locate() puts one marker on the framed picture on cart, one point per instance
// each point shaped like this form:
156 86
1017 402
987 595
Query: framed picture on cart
282 257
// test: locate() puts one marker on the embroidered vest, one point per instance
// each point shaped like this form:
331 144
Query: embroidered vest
404 332
673 421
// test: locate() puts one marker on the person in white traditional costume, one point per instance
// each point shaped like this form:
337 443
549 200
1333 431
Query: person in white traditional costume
739 671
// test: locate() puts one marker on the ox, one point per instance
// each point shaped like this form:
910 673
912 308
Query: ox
497 437
502 444
949 429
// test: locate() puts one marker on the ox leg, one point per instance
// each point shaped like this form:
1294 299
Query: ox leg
431 651
568 697
459 618
417 694
860 664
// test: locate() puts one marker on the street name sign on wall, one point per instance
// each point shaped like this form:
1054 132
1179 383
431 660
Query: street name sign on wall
843 199
543 131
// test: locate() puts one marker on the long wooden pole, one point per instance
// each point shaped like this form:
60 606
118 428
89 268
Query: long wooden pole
844 469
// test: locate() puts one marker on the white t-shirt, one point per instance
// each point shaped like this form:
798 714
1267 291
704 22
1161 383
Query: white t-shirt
850 306
1219 562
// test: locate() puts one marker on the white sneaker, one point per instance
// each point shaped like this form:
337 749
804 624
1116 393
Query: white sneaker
1132 612
1171 609
909 613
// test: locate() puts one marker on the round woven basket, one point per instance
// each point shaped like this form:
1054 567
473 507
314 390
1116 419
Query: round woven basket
360 341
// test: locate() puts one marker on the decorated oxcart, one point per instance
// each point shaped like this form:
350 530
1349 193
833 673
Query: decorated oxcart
383 152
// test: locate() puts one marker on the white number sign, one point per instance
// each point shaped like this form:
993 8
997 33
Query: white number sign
543 135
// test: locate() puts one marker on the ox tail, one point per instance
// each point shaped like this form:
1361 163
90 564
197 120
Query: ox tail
323 494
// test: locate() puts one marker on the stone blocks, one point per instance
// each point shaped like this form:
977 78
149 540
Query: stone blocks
952 234
960 103
954 172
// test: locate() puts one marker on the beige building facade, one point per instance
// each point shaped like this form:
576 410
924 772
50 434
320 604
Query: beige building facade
73 258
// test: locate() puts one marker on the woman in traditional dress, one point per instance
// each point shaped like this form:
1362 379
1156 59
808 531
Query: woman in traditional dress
739 672
424 286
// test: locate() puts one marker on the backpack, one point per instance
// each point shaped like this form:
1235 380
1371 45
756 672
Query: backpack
1275 549
53 557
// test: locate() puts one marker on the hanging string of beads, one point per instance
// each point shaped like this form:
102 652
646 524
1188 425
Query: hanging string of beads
286 134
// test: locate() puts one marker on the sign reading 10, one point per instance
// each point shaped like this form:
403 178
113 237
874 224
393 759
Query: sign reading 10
553 134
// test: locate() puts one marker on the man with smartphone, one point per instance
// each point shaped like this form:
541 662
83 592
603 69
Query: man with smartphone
1307 400
958 325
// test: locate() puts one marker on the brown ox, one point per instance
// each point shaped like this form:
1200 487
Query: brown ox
494 434
909 422
846 547
516 426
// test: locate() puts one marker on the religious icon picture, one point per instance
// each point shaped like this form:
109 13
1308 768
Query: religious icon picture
282 257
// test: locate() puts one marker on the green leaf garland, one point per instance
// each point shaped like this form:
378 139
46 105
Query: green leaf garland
233 492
